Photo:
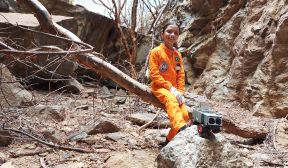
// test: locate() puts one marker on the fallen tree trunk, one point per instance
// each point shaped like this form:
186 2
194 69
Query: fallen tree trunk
107 70
245 131
110 71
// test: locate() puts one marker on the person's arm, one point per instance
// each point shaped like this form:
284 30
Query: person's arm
154 71
181 77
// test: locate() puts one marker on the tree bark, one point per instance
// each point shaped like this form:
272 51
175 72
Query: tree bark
109 71
100 66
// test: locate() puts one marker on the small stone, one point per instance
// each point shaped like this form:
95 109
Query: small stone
102 126
78 136
83 107
3 158
5 138
103 150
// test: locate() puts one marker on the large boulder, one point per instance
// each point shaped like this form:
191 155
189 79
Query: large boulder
238 51
188 149
41 68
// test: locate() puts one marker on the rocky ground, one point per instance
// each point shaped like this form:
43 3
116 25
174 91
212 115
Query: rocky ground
105 126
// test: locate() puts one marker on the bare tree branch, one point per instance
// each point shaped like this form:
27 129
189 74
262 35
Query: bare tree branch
128 40
105 5
134 15
78 50
49 144
149 8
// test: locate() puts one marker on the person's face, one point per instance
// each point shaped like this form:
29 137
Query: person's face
170 35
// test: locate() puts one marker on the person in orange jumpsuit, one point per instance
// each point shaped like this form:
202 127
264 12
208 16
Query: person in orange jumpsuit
166 72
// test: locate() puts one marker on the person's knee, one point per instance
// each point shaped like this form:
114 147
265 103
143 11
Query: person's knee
185 115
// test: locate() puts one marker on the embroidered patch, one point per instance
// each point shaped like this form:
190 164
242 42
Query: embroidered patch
177 59
163 66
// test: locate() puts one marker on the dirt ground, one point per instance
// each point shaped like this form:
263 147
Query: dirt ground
135 150
80 111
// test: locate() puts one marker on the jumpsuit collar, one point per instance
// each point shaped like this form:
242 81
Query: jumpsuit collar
168 50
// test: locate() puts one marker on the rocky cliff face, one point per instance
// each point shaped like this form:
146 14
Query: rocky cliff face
238 51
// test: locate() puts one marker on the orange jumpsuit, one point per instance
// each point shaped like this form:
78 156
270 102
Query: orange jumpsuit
166 70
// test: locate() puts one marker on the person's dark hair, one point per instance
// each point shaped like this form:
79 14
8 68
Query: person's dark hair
168 24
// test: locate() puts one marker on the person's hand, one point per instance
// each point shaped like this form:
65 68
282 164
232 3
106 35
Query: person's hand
180 98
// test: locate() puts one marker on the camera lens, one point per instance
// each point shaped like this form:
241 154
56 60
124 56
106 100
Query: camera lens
211 121
218 121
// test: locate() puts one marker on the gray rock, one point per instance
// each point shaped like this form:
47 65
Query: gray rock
143 118
281 137
105 91
47 112
5 138
118 137
157 135
78 136
120 97
188 149
49 135
102 126
3 158
73 86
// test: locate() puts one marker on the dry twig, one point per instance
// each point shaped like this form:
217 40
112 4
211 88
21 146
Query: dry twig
148 123
50 144
42 162
16 155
